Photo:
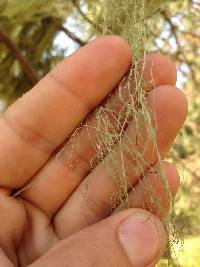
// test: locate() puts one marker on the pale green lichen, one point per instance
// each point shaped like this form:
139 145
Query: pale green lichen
128 18
123 153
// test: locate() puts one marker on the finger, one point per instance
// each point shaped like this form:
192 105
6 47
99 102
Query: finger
97 190
116 241
158 70
41 120
152 193
4 261
50 188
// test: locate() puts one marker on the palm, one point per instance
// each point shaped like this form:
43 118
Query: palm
48 209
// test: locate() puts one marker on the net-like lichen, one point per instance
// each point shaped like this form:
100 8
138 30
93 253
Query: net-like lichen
127 18
124 150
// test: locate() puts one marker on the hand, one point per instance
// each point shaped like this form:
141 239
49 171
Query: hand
32 159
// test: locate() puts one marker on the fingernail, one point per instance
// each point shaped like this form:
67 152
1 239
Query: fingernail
140 238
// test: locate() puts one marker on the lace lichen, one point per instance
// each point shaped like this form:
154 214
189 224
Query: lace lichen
129 19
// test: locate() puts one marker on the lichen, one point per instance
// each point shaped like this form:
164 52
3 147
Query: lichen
129 19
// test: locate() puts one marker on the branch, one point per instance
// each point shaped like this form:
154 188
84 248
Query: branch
25 64
96 26
179 51
173 30
72 36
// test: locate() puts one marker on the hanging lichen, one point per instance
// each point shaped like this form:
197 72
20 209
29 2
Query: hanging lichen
129 19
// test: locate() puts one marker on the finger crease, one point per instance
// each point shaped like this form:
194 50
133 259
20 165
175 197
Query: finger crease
87 106
30 136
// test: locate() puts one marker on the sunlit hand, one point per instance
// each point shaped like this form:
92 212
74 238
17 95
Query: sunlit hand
32 133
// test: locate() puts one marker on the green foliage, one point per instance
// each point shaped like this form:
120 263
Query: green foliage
22 11
32 26
153 6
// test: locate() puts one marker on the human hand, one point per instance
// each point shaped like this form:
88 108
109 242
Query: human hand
33 131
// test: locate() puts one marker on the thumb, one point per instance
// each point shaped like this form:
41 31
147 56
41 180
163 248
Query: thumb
134 237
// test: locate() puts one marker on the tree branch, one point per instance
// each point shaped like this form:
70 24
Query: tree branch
25 64
72 36
180 51
96 26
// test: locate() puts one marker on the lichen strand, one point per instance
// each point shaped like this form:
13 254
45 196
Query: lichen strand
129 20
123 148
124 153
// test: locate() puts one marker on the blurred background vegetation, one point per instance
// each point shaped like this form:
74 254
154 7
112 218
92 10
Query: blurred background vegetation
36 34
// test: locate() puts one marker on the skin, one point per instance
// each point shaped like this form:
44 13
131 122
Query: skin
44 225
